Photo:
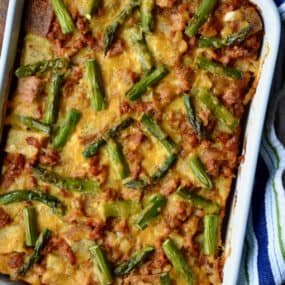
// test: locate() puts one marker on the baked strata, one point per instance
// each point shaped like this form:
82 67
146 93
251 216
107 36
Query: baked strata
123 140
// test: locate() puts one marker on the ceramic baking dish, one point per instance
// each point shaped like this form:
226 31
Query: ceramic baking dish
236 227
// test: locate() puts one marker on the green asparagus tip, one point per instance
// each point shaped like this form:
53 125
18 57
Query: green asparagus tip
178 261
136 260
102 268
63 16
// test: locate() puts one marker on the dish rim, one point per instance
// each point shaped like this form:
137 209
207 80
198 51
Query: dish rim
241 201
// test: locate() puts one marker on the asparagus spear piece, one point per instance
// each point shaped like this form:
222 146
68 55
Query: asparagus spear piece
211 224
41 66
154 129
68 183
122 209
178 261
142 51
95 87
66 128
63 16
198 201
91 7
102 268
218 109
218 68
93 148
165 166
30 224
164 279
136 260
152 210
124 124
192 116
33 195
199 172
151 79
135 183
36 255
51 111
169 145
147 20
111 30
34 124
234 38
201 16
117 158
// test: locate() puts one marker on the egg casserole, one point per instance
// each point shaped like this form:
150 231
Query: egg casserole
123 135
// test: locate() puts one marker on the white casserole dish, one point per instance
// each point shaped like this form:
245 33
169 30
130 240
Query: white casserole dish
246 173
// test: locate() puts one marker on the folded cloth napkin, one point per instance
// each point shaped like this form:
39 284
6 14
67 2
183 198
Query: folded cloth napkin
263 260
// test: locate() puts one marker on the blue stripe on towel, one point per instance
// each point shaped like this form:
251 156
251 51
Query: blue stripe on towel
259 224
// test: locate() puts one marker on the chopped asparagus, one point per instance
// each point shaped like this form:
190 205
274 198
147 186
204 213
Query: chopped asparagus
111 30
151 79
169 145
51 111
30 224
178 261
95 86
199 172
232 39
42 66
33 195
122 209
211 224
218 68
36 255
165 166
201 16
91 7
136 183
142 51
114 131
68 183
164 279
151 211
218 109
34 124
93 148
198 201
147 20
192 115
67 127
117 158
102 268
63 16
152 127
136 260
